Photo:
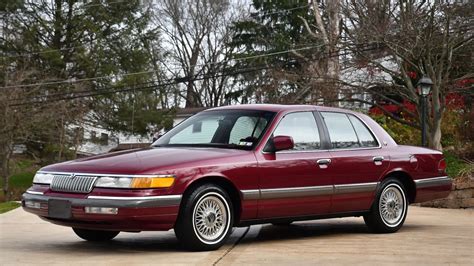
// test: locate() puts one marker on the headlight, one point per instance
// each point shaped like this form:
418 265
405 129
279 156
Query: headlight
114 182
159 181
43 178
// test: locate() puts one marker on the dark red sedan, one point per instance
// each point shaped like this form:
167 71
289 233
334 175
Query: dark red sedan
242 165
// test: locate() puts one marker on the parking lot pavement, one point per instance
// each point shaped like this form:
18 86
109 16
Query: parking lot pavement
429 236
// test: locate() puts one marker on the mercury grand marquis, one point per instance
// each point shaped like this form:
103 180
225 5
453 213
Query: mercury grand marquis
242 165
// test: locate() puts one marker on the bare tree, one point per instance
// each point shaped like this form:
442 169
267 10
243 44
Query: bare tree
418 38
18 122
197 32
327 30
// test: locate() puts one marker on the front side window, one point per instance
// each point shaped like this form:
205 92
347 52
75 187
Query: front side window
247 128
347 131
302 128
241 129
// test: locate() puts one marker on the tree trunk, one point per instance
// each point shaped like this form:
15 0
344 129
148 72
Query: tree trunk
61 139
5 170
333 68
190 98
434 136
329 33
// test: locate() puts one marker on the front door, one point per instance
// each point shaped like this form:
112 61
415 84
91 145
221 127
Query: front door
295 182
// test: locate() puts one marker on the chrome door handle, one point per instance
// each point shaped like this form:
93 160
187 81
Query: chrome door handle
323 161
378 160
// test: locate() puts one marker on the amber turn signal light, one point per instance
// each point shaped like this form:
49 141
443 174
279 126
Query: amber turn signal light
152 182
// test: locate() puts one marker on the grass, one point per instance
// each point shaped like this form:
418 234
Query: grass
455 165
8 206
24 171
22 180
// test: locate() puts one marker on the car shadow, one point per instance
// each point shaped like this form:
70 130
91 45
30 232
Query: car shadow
318 230
130 243
125 243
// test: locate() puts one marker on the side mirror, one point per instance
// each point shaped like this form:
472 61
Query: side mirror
281 143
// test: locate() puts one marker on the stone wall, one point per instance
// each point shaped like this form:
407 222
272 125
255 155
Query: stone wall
462 195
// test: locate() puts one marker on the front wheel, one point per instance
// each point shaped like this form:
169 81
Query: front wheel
205 219
95 235
389 210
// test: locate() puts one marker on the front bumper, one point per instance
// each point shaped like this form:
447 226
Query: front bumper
140 213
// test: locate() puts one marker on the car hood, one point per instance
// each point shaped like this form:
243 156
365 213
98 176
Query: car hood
149 161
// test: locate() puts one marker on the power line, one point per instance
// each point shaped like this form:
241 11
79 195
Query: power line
70 81
169 82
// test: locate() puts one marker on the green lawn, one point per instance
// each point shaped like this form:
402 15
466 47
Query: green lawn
24 170
8 206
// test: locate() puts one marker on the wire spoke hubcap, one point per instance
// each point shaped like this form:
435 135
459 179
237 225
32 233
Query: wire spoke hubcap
210 218
391 205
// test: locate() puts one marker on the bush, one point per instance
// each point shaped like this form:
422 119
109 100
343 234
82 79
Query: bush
455 145
454 127
23 170
454 165
402 134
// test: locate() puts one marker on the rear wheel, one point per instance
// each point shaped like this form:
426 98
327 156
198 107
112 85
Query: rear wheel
206 218
95 235
389 209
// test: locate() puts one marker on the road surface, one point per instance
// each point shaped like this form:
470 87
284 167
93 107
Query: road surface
429 236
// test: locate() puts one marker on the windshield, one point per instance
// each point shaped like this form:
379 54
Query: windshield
239 129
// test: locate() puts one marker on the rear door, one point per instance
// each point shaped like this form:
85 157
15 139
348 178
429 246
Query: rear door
357 161
292 182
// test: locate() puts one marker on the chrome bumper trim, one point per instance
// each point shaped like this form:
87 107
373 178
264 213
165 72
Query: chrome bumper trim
165 197
119 202
433 182
34 192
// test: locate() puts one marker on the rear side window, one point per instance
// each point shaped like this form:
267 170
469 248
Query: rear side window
302 128
347 131
340 129
366 139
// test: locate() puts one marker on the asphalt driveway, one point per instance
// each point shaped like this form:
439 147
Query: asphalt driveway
430 236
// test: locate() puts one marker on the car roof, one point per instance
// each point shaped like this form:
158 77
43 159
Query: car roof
279 108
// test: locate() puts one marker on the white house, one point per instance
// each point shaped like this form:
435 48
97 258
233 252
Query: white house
97 140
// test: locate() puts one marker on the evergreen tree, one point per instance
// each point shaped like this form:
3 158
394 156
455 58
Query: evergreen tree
274 27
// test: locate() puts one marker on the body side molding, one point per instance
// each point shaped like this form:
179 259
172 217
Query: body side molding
433 182
276 193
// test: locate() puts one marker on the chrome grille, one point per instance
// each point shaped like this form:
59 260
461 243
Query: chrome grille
73 183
